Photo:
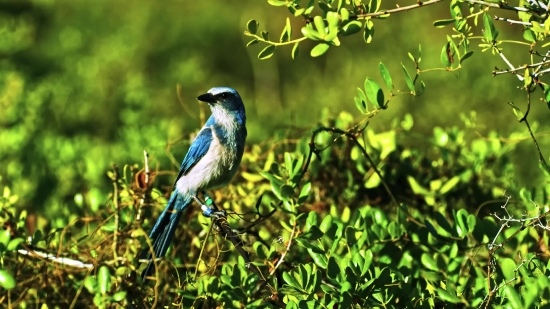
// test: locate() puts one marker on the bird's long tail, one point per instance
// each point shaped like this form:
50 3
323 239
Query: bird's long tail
164 230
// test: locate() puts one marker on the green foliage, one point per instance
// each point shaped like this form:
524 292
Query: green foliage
352 216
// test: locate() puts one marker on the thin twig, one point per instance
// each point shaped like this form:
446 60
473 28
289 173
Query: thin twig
280 261
117 211
396 10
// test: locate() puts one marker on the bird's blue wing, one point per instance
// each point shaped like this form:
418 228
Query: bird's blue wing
198 149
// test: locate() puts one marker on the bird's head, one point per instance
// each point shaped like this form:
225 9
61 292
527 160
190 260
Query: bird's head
222 97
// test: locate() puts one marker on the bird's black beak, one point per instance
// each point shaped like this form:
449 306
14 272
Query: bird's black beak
207 97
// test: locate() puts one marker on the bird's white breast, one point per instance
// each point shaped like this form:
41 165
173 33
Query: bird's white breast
215 169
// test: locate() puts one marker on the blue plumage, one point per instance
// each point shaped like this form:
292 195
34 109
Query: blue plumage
211 162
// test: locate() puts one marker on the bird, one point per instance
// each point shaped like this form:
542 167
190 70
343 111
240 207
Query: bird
210 163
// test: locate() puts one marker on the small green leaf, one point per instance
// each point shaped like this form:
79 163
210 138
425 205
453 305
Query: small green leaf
419 53
369 31
345 15
287 32
374 92
443 22
490 32
304 193
466 56
445 55
296 50
290 280
311 34
448 297
265 35
276 2
252 42
287 192
252 26
104 280
319 24
311 220
429 262
14 244
408 79
326 224
319 50
5 237
368 261
385 75
450 184
119 296
513 297
333 269
320 259
260 249
7 281
352 27
361 106
267 52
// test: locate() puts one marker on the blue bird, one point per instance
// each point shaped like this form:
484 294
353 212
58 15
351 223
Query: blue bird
211 162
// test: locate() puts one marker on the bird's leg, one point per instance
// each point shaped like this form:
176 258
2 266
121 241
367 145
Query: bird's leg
214 211
205 209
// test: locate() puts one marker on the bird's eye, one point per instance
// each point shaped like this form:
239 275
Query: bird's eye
224 95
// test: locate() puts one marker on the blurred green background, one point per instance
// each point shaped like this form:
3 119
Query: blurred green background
84 85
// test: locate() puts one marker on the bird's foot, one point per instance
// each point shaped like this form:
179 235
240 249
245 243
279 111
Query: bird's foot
214 213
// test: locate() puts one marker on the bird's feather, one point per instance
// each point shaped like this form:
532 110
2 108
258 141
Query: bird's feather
198 149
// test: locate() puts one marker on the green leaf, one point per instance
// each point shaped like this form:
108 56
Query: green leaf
287 192
319 50
252 42
296 50
311 34
385 75
448 297
290 280
7 281
304 193
445 55
267 52
311 220
466 56
449 185
276 2
513 297
443 22
260 249
252 26
326 224
374 92
333 20
319 24
374 6
345 15
104 280
14 243
368 261
490 32
352 27
5 237
119 296
287 32
320 259
408 79
429 262
369 31
350 236
333 269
